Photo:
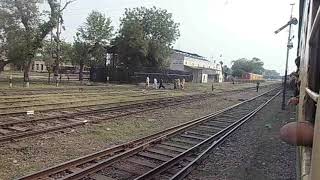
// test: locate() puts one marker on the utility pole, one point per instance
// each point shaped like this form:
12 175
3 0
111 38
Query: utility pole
49 65
57 63
292 21
289 46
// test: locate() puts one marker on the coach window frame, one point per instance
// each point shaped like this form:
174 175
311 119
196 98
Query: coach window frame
310 74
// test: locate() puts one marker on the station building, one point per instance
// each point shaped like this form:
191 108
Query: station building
203 70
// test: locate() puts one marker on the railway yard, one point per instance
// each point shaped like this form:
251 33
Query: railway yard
121 131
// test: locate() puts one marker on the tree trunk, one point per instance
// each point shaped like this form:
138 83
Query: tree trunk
91 73
81 72
56 73
2 65
26 73
49 77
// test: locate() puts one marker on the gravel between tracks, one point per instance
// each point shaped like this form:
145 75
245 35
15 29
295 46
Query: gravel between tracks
36 153
254 152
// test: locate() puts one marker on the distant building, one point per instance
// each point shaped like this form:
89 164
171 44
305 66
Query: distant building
39 66
202 69
8 67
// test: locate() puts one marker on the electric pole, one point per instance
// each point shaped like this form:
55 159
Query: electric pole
289 46
49 64
57 63
292 21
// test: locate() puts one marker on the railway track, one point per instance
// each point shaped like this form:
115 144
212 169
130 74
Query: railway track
67 94
25 126
19 128
88 100
10 112
19 99
10 92
170 154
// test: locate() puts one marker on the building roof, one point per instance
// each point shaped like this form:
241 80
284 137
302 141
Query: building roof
191 54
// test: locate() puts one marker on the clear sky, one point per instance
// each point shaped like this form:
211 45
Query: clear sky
231 28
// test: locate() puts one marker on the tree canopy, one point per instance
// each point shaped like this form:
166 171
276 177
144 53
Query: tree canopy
48 51
271 73
80 54
243 65
33 25
96 34
226 71
146 37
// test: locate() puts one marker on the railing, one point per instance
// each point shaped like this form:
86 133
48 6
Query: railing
313 95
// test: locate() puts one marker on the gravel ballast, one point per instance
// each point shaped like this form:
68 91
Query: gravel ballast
255 151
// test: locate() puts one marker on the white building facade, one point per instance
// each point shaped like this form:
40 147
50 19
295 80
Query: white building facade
203 70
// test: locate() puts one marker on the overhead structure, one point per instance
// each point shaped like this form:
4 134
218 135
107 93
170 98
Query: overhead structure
292 21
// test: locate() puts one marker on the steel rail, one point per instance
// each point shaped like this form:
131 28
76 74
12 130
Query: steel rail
225 132
77 93
101 165
71 102
69 97
122 147
116 103
15 136
187 169
46 90
87 106
112 150
101 110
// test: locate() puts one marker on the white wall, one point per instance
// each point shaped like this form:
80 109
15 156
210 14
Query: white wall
198 63
177 62
204 78
37 66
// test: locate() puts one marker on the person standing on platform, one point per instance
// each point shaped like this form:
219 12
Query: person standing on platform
161 84
155 83
258 84
175 84
183 83
147 82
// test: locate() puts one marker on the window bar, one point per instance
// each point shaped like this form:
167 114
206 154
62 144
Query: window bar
314 96
315 27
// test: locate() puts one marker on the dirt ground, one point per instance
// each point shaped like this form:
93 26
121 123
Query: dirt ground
255 152
36 153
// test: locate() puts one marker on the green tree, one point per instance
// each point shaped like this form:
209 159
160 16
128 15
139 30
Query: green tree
80 54
10 35
243 65
16 48
131 45
146 37
3 44
226 71
34 26
272 74
96 34
48 54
